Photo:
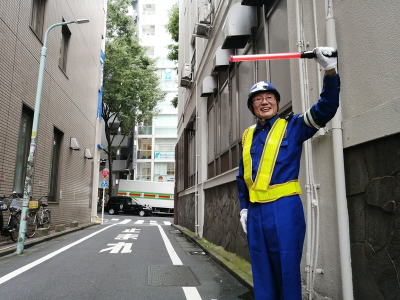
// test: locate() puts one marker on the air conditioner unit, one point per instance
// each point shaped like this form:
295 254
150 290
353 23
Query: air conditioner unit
202 30
221 59
208 86
238 24
186 75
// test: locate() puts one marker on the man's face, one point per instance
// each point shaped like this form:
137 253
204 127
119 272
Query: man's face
265 105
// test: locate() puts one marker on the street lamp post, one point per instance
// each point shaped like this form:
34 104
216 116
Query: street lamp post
31 158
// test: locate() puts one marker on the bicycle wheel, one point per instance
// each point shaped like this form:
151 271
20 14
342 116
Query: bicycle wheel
14 234
31 224
46 219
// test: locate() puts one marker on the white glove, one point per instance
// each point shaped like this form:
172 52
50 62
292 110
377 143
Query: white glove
243 219
327 63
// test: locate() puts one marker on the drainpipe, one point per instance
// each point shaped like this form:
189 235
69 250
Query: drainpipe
196 192
341 201
307 145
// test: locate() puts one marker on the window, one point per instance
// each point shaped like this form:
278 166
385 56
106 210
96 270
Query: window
66 35
164 172
54 165
181 163
24 139
38 17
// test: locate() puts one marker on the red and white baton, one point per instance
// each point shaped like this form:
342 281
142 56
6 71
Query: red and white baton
252 57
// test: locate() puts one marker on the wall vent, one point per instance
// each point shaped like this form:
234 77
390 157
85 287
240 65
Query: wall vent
238 24
221 59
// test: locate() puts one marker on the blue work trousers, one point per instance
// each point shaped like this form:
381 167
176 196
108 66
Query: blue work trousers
275 232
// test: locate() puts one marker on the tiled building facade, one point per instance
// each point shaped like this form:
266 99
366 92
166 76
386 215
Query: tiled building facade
69 101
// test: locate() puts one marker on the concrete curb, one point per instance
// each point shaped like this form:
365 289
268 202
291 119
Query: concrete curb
29 243
223 258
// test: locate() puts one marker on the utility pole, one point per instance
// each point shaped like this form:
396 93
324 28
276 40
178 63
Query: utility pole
31 158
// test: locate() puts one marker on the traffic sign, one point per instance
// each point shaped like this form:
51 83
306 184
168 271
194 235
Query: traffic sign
104 183
105 173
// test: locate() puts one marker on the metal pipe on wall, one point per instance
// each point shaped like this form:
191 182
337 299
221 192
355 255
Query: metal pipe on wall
306 151
341 200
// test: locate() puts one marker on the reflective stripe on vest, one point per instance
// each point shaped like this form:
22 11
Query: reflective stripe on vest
260 190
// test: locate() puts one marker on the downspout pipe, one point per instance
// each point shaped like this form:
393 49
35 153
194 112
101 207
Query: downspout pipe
306 146
341 201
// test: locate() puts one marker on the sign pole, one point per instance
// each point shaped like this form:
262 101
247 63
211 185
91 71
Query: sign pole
102 206
104 184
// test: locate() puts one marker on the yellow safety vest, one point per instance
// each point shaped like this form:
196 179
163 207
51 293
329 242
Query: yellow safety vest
261 190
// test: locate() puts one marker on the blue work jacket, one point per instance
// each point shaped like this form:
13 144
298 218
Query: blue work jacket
300 128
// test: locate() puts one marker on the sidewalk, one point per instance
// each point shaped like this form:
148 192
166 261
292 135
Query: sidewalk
236 266
9 247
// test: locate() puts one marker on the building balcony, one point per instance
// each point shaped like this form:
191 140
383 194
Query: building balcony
165 131
145 130
144 154
143 177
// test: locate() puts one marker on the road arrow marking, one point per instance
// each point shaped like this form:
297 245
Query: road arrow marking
126 248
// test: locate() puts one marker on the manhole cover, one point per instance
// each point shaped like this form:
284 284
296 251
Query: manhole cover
172 275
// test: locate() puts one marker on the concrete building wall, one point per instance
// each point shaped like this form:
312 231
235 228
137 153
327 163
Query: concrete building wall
68 102
367 43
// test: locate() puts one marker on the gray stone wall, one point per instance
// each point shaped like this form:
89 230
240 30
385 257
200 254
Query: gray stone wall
373 195
186 213
221 218
222 222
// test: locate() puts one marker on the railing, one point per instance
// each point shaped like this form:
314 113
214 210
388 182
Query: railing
145 130
165 130
144 154
143 177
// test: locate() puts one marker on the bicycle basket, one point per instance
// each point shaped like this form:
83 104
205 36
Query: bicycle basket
4 204
16 204
33 205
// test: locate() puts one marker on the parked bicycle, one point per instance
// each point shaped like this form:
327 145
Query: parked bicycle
13 204
35 221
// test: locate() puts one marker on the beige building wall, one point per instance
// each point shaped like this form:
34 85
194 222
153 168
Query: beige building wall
68 102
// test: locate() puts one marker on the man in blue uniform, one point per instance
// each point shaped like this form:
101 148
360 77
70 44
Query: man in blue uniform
271 210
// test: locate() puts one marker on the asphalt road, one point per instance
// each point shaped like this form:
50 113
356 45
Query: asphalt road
128 257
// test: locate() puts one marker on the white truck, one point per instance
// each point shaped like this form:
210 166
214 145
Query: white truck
159 195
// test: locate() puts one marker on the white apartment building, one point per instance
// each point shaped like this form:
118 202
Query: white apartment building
155 140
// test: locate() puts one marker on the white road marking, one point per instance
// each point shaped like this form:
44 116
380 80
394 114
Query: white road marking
126 221
191 293
114 219
133 236
126 248
153 222
167 223
47 257
172 254
139 222
131 230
